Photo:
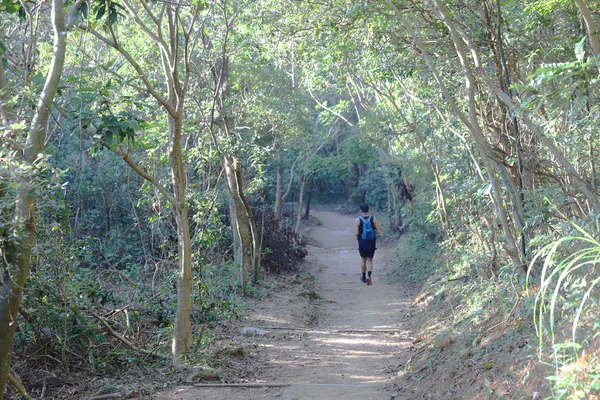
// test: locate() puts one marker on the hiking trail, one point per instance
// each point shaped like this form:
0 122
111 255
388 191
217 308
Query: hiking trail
353 350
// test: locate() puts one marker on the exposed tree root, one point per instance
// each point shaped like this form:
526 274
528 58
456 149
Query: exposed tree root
16 382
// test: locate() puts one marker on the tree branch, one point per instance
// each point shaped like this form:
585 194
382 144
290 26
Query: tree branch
115 334
340 116
149 87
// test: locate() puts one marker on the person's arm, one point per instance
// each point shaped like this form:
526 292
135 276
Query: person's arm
377 226
356 226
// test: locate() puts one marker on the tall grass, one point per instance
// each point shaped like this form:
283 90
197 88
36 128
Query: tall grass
567 259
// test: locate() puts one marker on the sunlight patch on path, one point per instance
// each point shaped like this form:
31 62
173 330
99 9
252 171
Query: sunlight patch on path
352 353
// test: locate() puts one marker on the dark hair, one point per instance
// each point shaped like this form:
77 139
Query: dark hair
364 208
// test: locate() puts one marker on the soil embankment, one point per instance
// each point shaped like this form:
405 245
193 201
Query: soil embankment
345 344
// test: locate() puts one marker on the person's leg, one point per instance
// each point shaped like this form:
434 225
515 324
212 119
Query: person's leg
369 268
363 268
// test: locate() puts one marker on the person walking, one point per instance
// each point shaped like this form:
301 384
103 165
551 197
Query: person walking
366 230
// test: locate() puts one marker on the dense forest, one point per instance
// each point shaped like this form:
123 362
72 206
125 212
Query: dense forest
159 159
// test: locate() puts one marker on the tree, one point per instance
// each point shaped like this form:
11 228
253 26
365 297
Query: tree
16 261
174 34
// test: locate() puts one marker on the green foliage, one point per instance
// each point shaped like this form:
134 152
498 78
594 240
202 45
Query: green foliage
10 6
113 11
116 129
415 257
568 293
545 7
218 297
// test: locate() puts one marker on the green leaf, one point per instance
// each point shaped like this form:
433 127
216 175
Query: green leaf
580 50
100 11
109 137
10 6
113 16
84 10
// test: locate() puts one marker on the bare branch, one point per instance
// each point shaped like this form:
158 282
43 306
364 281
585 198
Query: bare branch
71 16
340 116
123 339
149 87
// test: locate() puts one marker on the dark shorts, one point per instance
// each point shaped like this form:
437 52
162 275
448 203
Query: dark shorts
366 253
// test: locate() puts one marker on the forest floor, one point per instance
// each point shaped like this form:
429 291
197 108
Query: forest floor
323 334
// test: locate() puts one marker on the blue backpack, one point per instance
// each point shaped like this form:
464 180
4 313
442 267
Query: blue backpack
368 231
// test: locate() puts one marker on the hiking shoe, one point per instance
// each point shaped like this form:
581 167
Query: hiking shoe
369 281
362 279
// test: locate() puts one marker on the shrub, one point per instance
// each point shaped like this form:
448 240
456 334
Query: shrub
281 246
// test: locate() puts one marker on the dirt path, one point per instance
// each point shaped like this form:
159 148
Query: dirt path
352 353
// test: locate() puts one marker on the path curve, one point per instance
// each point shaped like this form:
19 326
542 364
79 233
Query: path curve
353 351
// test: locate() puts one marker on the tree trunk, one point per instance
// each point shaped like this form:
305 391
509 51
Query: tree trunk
300 201
106 211
394 212
439 187
242 222
308 200
174 52
182 331
252 224
237 244
244 218
519 196
7 114
279 188
18 262
592 28
289 186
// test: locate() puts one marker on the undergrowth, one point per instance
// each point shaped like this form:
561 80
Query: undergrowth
58 329
566 312
414 258
472 325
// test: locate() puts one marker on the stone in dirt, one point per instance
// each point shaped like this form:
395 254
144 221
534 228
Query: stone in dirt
251 331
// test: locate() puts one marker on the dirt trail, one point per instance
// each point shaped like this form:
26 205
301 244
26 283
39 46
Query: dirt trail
353 351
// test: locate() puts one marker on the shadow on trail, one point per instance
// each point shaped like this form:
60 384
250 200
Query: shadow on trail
353 350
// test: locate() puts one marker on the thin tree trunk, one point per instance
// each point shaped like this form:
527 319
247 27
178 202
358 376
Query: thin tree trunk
182 332
279 188
512 248
308 200
244 218
174 52
592 28
389 205
393 211
106 212
519 197
439 188
18 262
242 223
289 186
255 237
7 114
237 244
300 201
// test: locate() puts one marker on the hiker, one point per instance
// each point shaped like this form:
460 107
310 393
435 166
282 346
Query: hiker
366 230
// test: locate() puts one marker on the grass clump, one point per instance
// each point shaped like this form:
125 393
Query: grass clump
414 258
